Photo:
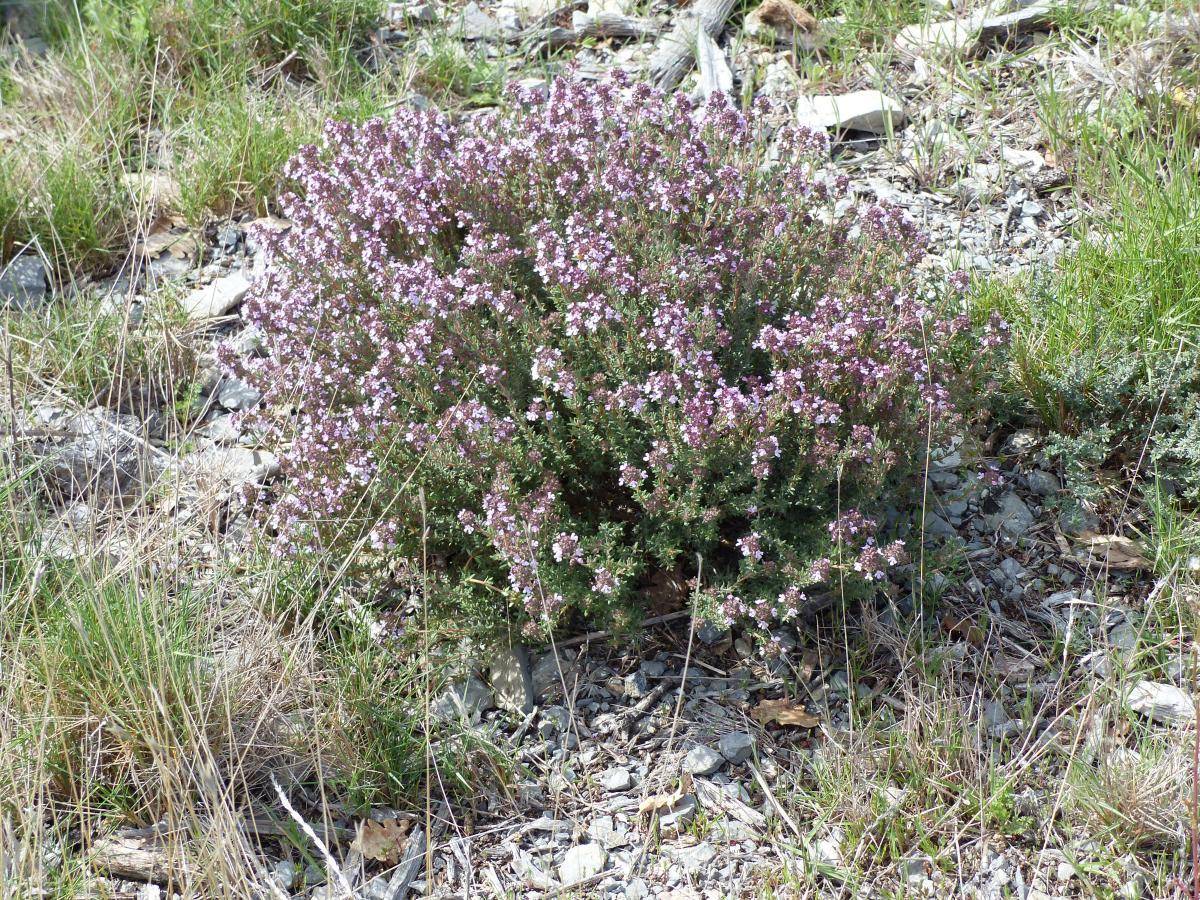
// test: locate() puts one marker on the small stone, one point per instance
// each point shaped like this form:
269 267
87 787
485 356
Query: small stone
710 635
229 238
23 284
554 720
401 14
894 796
828 850
551 671
1134 888
937 526
914 870
477 25
101 464
1065 871
512 681
468 699
377 888
1164 703
616 779
1124 637
702 760
679 815
694 859
234 394
1012 569
653 668
603 831
285 874
1012 516
233 466
636 684
1012 24
248 342
581 863
871 111
1043 483
737 747
217 297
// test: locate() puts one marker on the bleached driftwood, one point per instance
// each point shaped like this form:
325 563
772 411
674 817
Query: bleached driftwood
715 74
675 53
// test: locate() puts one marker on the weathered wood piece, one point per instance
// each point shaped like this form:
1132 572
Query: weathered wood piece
675 52
715 74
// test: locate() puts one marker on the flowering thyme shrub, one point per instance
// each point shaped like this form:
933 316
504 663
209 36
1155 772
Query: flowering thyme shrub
605 335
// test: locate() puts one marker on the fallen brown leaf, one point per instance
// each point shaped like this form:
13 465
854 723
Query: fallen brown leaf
382 841
657 803
964 628
785 712
163 238
1113 551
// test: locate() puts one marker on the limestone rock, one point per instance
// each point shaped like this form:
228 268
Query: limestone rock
581 863
1164 703
217 297
871 111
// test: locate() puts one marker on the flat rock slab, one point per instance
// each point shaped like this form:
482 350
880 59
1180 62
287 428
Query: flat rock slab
871 111
581 863
1164 703
217 297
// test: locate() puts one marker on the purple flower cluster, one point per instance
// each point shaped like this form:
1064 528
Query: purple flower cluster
581 339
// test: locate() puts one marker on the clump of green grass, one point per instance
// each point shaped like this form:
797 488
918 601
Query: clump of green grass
232 150
445 69
215 94
140 698
1104 348
91 351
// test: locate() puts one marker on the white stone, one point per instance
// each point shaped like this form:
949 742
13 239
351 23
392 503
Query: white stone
872 111
616 779
603 830
1164 703
694 859
581 863
679 814
476 25
1022 21
702 760
468 699
217 297
950 38
233 465
827 851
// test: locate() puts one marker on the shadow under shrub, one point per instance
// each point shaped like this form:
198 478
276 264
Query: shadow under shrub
601 334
